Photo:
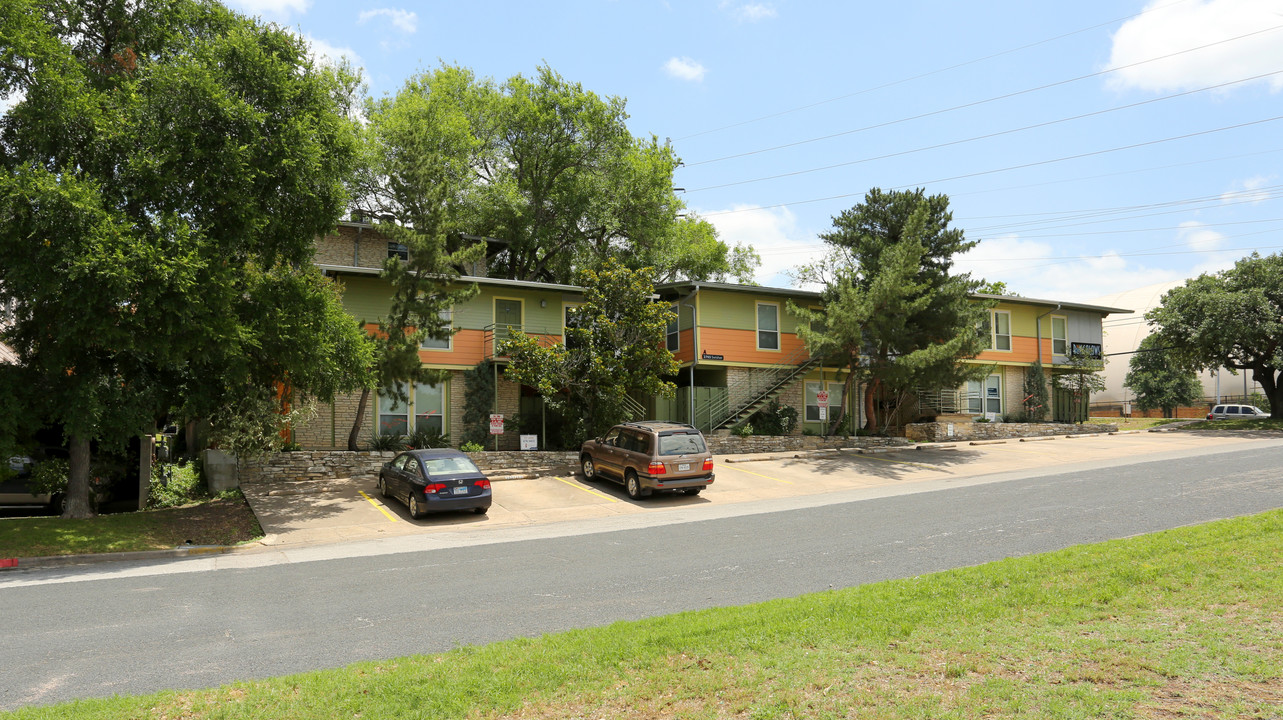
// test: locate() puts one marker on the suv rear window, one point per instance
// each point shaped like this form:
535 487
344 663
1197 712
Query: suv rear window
681 444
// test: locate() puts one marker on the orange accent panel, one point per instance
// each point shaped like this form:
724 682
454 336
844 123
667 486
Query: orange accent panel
1023 349
686 346
741 346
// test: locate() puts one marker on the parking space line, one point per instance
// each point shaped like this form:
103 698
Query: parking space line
726 466
590 491
382 509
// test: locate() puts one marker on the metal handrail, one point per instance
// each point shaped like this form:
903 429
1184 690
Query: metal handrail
720 410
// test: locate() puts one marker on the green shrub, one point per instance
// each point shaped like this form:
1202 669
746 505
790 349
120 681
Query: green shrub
425 438
175 484
774 419
472 447
49 476
387 441
743 430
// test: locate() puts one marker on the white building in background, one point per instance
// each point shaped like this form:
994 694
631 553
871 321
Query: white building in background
1123 334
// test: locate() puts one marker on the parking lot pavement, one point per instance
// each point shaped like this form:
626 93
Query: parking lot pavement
345 509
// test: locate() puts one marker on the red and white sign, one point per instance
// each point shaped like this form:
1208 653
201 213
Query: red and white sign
496 424
822 398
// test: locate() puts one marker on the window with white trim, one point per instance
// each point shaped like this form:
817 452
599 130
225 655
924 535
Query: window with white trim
768 326
394 413
673 332
812 401
426 403
985 396
398 250
447 318
1059 335
429 408
1001 326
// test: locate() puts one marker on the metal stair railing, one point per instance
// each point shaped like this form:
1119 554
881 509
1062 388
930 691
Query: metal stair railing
758 389
635 410
945 401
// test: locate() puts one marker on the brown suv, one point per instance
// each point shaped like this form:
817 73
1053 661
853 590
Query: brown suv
650 455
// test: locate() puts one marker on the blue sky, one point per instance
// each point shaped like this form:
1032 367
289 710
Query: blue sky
786 112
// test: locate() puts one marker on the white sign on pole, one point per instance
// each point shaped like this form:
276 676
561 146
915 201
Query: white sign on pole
529 442
496 424
824 412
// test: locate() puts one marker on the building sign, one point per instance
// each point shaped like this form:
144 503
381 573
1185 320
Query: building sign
1091 350
496 424
707 356
529 442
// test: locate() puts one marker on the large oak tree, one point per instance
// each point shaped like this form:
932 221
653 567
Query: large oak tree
166 171
1231 319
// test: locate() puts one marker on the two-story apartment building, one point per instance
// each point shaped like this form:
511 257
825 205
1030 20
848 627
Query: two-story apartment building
737 345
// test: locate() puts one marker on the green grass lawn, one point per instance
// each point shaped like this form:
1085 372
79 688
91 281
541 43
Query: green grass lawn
1261 424
225 521
1133 423
1181 624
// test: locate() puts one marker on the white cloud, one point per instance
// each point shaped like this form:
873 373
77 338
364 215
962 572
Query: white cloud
1250 190
324 52
748 12
685 68
273 8
774 234
1185 25
1198 238
403 20
1034 269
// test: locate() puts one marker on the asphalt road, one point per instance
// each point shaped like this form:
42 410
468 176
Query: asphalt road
75 633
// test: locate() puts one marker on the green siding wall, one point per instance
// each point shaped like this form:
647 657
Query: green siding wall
738 310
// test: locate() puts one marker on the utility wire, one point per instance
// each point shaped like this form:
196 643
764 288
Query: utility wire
986 136
995 99
930 73
1008 168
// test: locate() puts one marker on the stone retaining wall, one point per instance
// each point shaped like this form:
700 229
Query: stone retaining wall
315 465
949 431
734 445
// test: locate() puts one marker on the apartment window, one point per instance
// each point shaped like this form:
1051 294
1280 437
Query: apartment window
398 250
985 396
429 408
1059 335
429 343
674 335
768 326
570 319
427 403
394 414
812 411
1001 325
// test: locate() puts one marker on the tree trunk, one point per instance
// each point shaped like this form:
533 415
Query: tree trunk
846 410
871 420
1273 390
78 483
353 436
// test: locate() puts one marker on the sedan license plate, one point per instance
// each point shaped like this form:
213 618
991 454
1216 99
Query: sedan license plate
683 467
460 491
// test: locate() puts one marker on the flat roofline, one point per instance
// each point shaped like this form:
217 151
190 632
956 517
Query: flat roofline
1014 299
353 270
735 287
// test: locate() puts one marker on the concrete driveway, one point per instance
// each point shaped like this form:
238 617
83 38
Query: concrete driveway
340 510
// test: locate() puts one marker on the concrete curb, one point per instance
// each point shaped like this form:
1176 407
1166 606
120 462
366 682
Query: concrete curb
50 561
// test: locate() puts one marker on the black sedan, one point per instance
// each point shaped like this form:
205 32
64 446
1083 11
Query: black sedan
435 480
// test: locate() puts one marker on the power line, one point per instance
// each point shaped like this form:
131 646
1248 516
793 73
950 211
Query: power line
929 74
1006 169
996 98
986 136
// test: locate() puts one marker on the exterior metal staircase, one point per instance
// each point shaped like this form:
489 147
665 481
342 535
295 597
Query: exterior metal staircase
758 389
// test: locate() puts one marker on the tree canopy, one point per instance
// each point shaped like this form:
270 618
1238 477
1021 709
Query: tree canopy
167 170
893 312
1157 382
614 348
549 170
1232 319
